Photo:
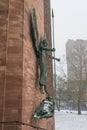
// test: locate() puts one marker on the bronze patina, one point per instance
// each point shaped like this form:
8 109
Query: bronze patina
41 51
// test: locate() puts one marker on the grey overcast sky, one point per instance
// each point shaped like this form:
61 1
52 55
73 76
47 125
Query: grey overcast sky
70 21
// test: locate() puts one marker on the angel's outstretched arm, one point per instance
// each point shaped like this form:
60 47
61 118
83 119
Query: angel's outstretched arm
48 49
52 57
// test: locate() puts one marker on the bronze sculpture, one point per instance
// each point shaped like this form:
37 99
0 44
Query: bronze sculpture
45 109
41 51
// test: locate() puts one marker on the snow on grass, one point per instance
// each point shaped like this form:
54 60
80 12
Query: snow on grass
70 120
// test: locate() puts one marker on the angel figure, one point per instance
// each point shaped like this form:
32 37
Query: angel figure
41 52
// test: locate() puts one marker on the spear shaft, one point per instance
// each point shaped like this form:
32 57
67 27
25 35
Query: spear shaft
54 47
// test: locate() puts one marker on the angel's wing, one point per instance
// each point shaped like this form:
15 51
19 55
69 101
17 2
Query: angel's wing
35 31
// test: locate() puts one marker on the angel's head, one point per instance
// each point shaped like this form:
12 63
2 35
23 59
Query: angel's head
45 41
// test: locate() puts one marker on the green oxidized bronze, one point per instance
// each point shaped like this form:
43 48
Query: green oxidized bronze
45 109
41 51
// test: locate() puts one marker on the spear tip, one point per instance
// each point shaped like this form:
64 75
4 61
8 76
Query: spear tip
52 13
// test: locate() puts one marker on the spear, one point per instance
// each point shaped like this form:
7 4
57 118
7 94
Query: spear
54 47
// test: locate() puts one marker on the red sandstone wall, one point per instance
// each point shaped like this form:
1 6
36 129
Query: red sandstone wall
3 40
14 60
19 70
11 60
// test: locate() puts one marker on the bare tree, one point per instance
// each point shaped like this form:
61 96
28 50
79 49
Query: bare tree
61 82
61 92
77 70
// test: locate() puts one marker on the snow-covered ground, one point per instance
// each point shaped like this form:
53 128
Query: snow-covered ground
66 120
